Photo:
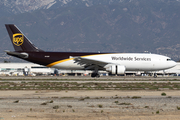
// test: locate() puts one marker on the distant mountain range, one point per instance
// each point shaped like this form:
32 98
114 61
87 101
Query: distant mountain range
95 25
22 6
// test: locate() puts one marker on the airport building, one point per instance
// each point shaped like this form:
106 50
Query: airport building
21 69
31 69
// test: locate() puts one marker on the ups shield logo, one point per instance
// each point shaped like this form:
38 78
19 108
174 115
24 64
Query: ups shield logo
18 39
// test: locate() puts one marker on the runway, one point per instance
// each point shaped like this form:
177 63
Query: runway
18 81
114 78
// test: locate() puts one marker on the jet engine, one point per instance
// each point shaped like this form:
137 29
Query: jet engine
115 69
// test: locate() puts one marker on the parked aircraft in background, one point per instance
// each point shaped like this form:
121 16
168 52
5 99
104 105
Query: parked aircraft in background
115 63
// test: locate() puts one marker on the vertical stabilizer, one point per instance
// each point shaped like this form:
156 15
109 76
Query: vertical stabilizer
19 40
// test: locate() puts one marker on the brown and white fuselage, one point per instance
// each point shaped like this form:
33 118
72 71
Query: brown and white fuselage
116 63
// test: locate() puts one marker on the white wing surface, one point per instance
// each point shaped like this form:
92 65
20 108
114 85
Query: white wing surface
89 63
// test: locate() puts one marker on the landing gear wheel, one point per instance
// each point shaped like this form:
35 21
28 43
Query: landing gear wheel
155 75
95 75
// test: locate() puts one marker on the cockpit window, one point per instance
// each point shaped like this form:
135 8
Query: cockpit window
169 60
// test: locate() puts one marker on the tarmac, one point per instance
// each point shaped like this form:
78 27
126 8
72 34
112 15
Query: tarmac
90 78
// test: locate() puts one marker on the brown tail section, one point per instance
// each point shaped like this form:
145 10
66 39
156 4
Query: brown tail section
19 40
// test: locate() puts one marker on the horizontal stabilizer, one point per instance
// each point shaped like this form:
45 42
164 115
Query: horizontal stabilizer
22 55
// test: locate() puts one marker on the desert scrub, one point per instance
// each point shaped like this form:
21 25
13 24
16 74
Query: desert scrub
116 102
100 106
157 112
44 103
146 107
17 101
124 104
163 94
136 97
169 97
69 106
56 107
178 108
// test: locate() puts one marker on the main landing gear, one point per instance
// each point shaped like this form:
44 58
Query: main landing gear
155 75
95 75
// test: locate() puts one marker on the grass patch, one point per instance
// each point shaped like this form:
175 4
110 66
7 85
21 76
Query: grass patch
67 97
136 97
46 85
124 104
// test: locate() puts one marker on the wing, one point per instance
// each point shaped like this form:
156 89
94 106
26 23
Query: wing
90 63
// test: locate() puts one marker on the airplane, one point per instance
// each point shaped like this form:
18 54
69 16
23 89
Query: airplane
115 63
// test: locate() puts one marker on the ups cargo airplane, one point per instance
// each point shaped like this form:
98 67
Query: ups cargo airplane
115 63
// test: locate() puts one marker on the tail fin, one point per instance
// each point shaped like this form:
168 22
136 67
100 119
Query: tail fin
19 40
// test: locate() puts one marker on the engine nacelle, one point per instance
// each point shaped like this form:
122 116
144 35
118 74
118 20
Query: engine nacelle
115 69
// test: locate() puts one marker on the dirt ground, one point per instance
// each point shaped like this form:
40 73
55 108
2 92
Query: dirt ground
89 104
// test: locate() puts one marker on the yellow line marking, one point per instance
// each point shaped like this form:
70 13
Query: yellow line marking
96 54
57 62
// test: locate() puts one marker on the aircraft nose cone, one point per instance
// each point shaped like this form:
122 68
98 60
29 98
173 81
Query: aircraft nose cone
174 63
